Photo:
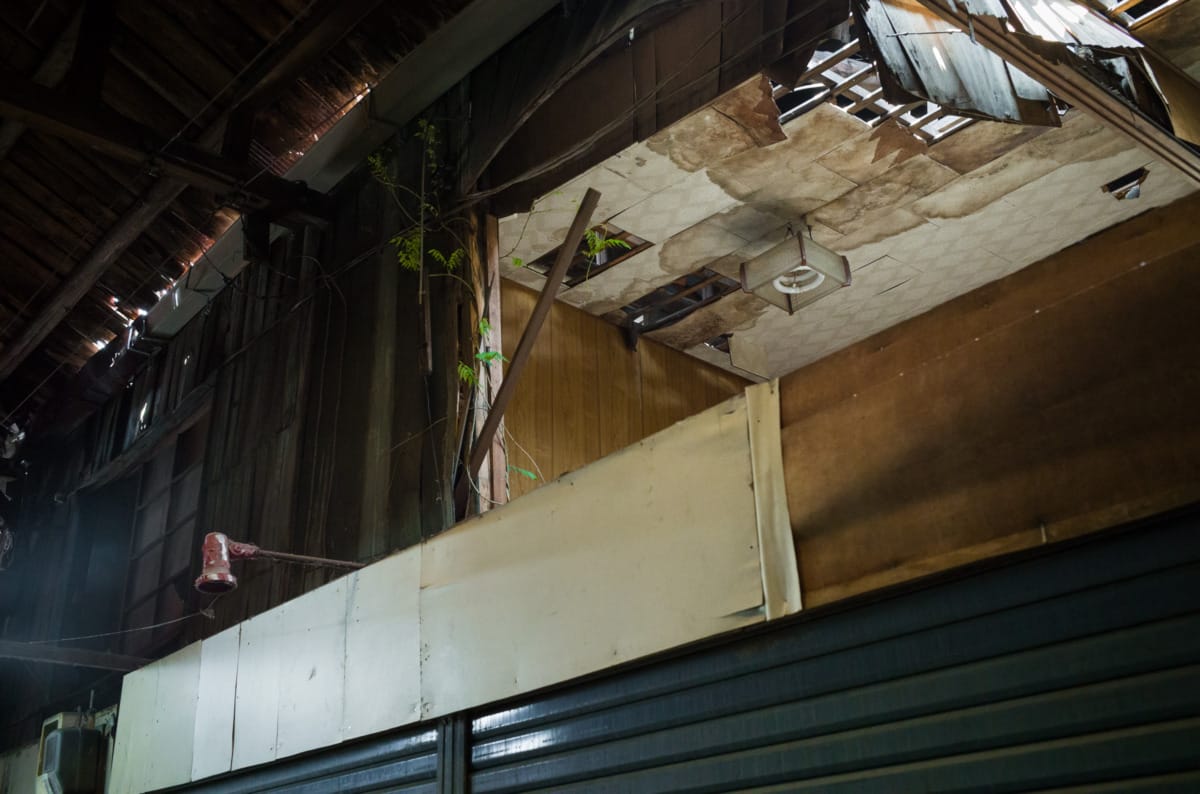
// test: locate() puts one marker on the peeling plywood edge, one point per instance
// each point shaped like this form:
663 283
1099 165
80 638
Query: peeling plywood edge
777 550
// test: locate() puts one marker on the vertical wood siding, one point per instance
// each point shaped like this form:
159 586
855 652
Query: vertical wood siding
585 395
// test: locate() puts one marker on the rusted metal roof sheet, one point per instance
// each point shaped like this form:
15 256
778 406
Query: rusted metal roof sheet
929 58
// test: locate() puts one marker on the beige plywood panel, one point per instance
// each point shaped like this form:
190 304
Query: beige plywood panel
158 713
134 748
256 706
174 718
312 670
644 550
780 574
213 737
383 646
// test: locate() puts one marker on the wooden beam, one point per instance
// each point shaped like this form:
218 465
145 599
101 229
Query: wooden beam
1074 87
50 73
58 113
541 310
72 657
68 293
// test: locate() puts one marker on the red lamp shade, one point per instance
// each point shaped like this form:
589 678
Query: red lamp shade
216 553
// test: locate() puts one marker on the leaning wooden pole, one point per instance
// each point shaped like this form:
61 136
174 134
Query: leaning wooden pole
541 309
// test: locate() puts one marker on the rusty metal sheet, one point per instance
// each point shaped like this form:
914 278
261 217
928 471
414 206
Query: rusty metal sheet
930 58
1072 23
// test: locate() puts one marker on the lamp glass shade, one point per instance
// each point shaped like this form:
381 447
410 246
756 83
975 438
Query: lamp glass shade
774 275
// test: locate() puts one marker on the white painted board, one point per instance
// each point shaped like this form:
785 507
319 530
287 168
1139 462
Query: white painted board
312 667
134 746
256 704
174 719
649 548
383 646
212 745
780 569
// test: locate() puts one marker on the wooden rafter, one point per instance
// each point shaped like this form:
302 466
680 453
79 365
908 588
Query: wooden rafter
60 114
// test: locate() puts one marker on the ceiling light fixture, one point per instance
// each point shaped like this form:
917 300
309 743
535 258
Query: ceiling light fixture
795 273
218 552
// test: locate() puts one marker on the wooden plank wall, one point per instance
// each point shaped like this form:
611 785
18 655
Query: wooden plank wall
584 394
325 434
1057 401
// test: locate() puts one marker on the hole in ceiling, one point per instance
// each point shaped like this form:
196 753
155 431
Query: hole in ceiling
672 302
609 255
1126 186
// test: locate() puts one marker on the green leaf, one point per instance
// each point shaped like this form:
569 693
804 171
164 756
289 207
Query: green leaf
466 374
523 472
485 327
408 249
488 356
518 262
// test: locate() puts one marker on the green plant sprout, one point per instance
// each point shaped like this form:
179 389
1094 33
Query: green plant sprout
522 472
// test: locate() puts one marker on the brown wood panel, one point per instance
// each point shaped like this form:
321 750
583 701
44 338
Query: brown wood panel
575 416
619 389
1057 401
584 394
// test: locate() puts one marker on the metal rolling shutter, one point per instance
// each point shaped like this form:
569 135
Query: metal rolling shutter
1077 671
398 762
1073 672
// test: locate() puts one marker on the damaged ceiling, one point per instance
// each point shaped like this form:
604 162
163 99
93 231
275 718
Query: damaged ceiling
919 222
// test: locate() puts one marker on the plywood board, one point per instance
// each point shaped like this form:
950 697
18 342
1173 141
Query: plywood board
644 550
780 574
134 747
256 707
312 670
212 742
1095 429
174 718
383 646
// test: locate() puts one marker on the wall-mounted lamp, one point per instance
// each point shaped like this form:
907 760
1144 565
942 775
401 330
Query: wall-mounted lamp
218 551
795 273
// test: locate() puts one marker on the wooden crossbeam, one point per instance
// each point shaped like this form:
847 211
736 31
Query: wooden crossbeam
72 657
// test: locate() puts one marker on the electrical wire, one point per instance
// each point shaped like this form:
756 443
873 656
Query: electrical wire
202 612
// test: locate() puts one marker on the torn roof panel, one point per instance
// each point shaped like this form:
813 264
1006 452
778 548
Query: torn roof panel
1068 22
929 58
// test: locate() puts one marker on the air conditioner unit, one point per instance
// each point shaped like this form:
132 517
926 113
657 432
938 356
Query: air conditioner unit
69 759
795 273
